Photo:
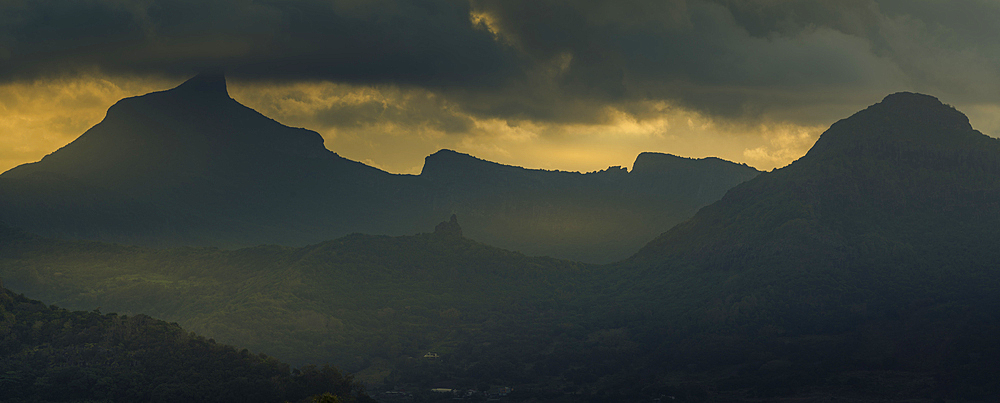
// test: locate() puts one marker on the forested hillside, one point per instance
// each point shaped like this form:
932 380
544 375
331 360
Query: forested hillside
362 302
50 354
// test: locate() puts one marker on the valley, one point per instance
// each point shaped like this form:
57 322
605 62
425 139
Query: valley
864 270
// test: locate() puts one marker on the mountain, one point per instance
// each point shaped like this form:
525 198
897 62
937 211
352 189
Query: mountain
51 354
191 166
871 258
600 216
863 271
363 302
906 178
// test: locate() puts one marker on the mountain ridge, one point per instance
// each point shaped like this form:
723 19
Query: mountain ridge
865 271
866 153
192 166
873 254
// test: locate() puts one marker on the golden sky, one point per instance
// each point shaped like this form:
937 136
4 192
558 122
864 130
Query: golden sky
394 128
576 86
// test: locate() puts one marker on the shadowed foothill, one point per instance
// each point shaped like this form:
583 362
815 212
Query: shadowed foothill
865 270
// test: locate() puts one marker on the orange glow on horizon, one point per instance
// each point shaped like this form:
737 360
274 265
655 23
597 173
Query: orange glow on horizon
393 128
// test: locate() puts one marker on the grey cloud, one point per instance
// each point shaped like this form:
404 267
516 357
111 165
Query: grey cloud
429 42
742 59
420 113
550 60
695 53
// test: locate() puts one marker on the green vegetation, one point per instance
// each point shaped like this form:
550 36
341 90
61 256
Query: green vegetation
51 354
362 302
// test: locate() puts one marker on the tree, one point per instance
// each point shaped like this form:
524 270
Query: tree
326 398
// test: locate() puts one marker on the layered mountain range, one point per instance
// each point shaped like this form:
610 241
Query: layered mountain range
865 270
904 191
875 252
191 166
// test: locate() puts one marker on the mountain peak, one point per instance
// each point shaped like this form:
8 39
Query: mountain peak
449 228
651 162
206 83
660 163
446 163
450 155
891 174
903 120
919 108
910 98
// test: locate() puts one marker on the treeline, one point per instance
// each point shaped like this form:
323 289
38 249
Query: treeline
358 301
49 354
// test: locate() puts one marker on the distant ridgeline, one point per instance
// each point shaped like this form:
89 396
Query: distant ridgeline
868 265
363 302
865 270
51 354
191 166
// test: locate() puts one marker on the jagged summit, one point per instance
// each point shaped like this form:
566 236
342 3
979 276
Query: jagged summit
210 83
449 228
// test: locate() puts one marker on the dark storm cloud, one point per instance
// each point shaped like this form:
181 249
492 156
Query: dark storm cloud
931 42
539 59
740 58
428 42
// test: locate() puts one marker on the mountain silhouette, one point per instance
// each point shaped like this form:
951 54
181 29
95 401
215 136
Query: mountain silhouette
194 130
904 172
873 252
599 216
865 270
192 166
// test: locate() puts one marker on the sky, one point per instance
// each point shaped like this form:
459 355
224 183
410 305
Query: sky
569 85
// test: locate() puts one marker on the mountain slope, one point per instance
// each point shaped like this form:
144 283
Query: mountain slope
191 166
874 253
908 175
51 354
864 270
600 216
361 301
